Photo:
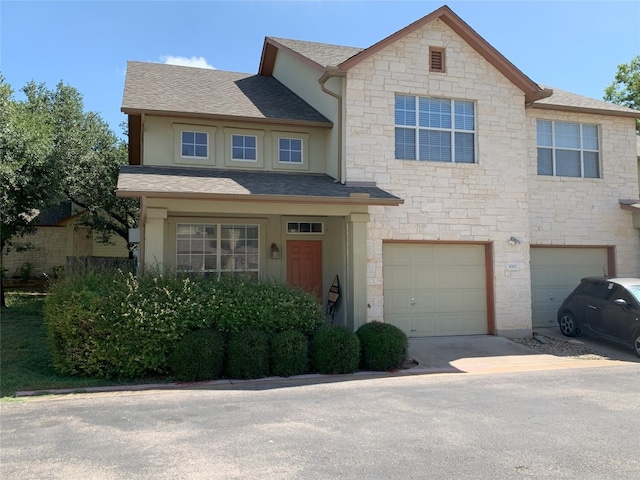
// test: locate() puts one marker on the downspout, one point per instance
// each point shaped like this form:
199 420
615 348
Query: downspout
329 73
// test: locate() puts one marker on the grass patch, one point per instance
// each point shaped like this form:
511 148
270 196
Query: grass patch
25 358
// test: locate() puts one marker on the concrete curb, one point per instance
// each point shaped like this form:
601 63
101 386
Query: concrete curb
475 367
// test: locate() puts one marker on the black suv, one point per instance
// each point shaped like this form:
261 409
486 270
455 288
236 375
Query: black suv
605 307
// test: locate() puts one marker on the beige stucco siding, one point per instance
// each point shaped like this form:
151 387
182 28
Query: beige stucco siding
162 144
585 211
481 202
302 79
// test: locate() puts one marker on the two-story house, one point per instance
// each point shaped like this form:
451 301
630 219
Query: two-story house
449 192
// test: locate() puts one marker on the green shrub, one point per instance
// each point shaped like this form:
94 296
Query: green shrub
383 346
198 356
114 324
289 354
263 305
248 354
335 349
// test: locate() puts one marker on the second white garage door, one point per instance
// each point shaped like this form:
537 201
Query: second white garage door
435 289
555 272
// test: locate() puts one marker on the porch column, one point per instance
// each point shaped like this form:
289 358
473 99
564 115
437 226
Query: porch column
357 264
154 236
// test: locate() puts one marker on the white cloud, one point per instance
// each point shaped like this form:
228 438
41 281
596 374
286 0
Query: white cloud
199 62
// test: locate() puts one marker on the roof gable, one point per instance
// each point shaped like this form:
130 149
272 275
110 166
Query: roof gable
177 90
347 57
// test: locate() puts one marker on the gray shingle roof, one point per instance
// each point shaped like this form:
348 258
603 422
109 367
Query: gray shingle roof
562 98
171 88
155 181
324 54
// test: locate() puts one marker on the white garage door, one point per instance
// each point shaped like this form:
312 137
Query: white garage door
434 289
555 272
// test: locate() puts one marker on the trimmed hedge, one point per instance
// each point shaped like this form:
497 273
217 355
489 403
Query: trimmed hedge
113 324
198 355
335 349
248 355
383 346
289 354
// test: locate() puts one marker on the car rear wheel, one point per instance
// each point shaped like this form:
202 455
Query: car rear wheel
568 325
636 343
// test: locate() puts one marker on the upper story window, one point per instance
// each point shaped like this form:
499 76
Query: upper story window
434 129
195 144
244 147
290 150
568 149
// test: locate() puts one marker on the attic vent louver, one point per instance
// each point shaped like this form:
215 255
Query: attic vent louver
436 59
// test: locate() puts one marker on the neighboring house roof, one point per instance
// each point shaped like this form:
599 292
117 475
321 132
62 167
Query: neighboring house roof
189 182
347 57
567 101
54 214
189 91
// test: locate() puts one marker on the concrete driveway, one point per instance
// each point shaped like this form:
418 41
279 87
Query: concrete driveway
484 353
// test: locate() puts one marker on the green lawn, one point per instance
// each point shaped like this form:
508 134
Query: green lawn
25 361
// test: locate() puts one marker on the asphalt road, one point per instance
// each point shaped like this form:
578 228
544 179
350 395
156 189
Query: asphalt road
561 424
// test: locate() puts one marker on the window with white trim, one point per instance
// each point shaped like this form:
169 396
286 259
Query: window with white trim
244 147
290 150
568 149
316 228
217 249
434 129
194 144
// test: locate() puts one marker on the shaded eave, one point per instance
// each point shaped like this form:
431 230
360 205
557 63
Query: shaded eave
531 90
355 199
592 111
205 116
630 205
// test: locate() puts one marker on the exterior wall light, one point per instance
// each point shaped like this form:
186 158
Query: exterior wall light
514 241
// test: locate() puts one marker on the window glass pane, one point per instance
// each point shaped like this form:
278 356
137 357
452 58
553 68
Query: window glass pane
405 110
591 165
545 161
237 141
296 144
238 152
250 154
545 136
284 143
201 138
590 137
296 156
405 144
568 163
464 115
285 156
188 150
183 262
567 135
250 142
316 227
183 246
464 147
188 137
201 151
435 112
210 262
435 146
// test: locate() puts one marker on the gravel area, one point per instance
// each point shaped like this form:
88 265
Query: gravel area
559 348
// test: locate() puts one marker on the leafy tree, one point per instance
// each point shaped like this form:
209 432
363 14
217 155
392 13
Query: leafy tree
52 150
625 89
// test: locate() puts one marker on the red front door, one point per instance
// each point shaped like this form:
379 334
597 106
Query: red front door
304 265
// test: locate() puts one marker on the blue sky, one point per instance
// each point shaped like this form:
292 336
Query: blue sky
572 45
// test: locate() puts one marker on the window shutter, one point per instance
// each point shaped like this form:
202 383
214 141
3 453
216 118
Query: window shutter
436 59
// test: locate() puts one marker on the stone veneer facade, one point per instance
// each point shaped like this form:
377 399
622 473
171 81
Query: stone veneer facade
493 199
